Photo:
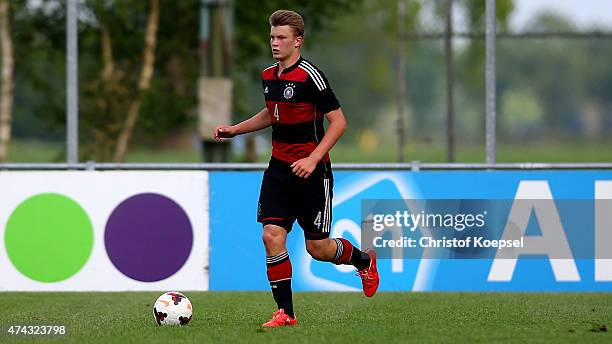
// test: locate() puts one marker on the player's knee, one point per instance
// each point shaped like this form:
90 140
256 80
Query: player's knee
272 237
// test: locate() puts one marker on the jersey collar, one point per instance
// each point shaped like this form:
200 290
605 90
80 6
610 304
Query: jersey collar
290 68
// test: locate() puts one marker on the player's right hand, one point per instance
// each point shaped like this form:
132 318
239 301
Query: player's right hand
225 132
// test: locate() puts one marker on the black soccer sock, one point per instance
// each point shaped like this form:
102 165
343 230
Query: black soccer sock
279 275
346 253
360 259
281 290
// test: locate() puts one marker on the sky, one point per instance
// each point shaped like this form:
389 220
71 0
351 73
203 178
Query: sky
584 13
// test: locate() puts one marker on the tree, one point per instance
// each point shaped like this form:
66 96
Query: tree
115 97
121 97
111 47
6 101
474 55
570 78
143 83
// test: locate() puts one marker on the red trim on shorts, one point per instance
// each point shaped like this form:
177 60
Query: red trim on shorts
273 218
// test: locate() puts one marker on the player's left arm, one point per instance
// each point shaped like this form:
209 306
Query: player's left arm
337 125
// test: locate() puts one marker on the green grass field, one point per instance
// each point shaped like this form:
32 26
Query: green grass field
323 317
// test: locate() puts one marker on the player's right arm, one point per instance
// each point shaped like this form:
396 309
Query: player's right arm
259 121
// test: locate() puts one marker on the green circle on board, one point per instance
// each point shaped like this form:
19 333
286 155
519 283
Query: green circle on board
49 237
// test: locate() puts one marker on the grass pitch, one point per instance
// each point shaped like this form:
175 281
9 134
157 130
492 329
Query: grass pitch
323 318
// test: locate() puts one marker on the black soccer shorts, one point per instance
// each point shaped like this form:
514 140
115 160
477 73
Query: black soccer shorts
285 197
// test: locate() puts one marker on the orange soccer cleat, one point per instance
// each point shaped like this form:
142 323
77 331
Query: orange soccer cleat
280 319
369 275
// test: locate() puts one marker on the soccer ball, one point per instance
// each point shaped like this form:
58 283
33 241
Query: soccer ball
172 308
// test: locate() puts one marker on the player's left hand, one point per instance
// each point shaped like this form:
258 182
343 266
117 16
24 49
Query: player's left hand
304 167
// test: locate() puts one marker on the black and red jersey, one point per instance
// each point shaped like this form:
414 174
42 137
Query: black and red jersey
297 101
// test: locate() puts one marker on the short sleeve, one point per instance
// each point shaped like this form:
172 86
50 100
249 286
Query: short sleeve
323 96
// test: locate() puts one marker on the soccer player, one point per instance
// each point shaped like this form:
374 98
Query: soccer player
297 185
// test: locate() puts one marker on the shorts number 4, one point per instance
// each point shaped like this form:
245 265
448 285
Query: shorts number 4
317 221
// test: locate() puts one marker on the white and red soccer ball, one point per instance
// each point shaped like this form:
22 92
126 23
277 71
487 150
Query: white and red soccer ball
172 308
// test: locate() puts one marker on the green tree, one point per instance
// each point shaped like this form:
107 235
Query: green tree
6 98
569 77
475 53
40 69
111 43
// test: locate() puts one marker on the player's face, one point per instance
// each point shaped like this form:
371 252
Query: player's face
283 42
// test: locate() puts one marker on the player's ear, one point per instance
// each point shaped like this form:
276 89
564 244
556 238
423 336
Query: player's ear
298 41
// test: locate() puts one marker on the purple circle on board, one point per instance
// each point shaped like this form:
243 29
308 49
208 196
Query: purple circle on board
148 237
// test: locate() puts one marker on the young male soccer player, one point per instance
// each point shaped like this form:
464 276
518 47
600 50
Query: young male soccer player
297 185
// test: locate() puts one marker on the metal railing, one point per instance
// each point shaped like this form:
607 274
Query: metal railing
411 166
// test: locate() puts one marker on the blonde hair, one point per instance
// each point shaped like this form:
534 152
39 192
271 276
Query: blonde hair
290 18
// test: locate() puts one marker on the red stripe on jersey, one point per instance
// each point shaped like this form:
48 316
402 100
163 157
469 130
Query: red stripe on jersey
296 74
291 152
289 113
268 73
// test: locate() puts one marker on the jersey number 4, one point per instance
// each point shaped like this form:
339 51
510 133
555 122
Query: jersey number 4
276 114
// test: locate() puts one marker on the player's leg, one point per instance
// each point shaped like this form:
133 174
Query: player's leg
341 251
275 239
278 267
338 251
315 218
274 213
